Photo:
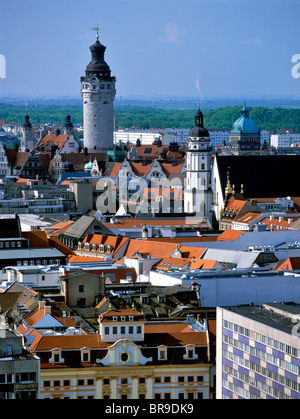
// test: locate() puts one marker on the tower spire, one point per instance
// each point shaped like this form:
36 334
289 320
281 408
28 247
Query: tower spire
97 29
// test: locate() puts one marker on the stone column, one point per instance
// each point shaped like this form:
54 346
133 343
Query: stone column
149 382
135 388
113 386
99 388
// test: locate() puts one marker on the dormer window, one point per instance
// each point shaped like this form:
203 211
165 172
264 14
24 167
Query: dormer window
162 353
85 355
115 318
131 318
56 357
123 318
190 352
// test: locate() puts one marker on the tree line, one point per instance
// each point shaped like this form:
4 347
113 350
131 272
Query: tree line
144 118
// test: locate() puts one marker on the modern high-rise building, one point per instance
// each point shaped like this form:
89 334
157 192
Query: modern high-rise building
98 94
258 352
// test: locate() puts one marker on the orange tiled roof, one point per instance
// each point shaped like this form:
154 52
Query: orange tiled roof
83 259
289 264
229 235
202 264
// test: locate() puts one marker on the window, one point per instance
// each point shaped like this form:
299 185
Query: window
80 382
139 329
157 379
81 288
142 380
124 381
190 352
106 381
106 330
46 383
66 383
190 379
90 382
85 356
162 353
180 379
167 379
123 330
56 383
115 330
130 330
167 396
200 379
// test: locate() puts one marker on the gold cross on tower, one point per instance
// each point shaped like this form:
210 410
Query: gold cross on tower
97 29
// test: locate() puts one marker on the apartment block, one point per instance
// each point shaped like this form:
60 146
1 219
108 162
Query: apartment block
258 352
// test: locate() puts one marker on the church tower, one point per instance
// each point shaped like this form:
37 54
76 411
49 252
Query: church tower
198 192
68 126
27 137
98 94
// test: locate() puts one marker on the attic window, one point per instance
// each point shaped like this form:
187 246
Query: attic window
56 357
190 352
123 318
162 353
85 355
115 318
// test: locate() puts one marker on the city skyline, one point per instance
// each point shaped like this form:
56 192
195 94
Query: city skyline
193 48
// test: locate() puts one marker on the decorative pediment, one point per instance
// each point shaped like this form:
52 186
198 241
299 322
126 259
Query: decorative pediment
124 353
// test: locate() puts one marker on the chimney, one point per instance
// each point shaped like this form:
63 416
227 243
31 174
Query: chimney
47 310
42 304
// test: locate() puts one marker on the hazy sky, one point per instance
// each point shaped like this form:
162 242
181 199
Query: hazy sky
154 47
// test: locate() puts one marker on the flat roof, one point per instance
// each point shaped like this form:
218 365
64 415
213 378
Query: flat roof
280 316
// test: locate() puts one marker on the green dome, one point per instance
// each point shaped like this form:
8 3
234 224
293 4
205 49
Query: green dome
88 167
244 125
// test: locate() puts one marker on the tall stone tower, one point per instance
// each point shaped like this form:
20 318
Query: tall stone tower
198 192
27 137
98 94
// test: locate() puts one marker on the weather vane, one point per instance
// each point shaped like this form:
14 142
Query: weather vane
97 29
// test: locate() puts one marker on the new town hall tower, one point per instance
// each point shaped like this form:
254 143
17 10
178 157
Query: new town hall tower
98 93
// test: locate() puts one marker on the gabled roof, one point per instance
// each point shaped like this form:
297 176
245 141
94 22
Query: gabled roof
289 264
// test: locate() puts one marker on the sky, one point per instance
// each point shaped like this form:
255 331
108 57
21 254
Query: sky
172 48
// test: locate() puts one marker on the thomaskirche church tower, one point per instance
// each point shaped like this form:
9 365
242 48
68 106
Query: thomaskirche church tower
98 93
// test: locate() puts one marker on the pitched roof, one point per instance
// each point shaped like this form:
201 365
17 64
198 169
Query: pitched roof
229 235
289 264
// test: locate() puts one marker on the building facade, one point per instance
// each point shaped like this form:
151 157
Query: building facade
129 359
19 370
258 352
